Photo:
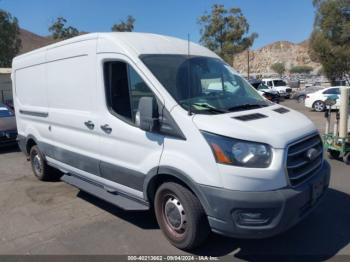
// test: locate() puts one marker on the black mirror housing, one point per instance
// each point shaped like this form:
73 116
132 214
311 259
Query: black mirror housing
149 115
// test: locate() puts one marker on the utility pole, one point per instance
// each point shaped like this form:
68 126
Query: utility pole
248 66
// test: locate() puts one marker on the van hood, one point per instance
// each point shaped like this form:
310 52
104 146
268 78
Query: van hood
8 123
275 125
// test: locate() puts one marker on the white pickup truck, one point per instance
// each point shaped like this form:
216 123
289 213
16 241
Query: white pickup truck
278 85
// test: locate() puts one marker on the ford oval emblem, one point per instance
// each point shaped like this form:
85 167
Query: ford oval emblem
311 154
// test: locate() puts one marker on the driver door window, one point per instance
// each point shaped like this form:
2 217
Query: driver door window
124 89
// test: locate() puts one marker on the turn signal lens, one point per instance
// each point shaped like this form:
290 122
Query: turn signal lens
220 155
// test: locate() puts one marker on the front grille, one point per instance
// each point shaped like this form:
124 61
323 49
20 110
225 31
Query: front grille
288 90
299 166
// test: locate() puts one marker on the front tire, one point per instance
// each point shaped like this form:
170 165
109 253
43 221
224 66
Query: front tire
346 158
333 154
301 99
181 216
40 168
319 106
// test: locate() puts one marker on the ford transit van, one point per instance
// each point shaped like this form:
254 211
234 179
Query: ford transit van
147 121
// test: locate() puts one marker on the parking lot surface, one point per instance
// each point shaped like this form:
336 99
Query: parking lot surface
55 218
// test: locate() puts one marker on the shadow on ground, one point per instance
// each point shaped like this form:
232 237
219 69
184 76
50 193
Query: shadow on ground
142 219
9 149
320 236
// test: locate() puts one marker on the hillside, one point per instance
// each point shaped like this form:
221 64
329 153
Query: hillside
260 60
283 51
31 41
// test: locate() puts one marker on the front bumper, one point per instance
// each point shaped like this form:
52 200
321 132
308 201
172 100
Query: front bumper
286 207
8 138
308 103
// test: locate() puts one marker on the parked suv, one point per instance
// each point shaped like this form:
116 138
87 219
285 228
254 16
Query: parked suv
136 120
278 85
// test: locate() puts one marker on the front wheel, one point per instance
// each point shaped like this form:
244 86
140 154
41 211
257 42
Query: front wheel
181 216
346 158
301 99
333 154
319 106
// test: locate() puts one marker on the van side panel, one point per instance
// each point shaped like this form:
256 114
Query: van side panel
71 81
30 96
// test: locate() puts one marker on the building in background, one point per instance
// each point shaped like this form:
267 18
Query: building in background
5 86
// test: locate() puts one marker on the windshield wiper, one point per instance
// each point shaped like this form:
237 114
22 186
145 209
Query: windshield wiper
245 106
210 108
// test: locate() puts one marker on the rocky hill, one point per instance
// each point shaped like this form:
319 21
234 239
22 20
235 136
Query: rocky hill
283 51
260 60
31 41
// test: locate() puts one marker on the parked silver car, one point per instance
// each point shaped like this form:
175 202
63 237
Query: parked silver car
8 128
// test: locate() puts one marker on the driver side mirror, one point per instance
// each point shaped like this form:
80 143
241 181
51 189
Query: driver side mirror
149 115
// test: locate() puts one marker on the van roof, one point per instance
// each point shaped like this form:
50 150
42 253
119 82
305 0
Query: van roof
140 43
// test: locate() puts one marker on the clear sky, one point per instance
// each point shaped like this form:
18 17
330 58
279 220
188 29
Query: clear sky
273 20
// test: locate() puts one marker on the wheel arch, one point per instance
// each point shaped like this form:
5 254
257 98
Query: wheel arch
25 143
30 142
163 174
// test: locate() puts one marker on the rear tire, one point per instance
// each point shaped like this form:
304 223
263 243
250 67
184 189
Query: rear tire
40 168
181 216
319 106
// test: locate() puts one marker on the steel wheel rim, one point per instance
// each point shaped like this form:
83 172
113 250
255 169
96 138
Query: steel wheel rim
174 215
37 164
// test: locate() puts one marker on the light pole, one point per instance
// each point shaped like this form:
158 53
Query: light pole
248 65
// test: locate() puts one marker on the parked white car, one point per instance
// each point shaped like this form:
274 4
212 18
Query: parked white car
316 100
279 85
133 119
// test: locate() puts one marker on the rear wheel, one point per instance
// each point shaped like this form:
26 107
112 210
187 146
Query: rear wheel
181 216
40 168
319 106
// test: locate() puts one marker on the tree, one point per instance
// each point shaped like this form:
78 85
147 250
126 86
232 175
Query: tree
225 31
303 69
279 68
10 42
330 39
60 31
124 26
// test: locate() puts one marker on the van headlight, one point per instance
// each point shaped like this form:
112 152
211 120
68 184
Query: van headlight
237 152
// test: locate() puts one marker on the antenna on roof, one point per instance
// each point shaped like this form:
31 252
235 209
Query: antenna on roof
188 74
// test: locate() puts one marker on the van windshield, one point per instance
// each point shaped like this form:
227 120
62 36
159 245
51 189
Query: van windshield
279 83
205 84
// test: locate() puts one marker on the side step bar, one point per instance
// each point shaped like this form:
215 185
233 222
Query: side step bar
111 196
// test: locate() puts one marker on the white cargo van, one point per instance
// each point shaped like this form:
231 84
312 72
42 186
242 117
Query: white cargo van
148 121
279 85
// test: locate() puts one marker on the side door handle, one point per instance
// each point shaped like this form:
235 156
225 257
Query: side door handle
106 128
89 124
